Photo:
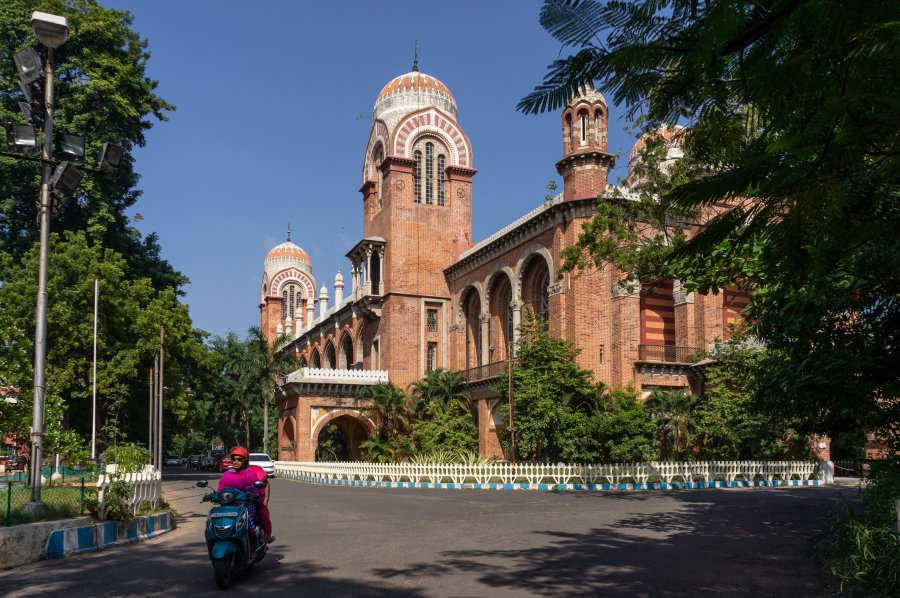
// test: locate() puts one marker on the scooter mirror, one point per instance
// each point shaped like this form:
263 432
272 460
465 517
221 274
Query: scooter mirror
260 484
202 484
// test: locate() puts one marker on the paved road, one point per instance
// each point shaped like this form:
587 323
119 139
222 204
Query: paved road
406 542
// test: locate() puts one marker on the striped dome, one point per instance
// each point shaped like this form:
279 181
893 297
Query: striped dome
285 255
414 90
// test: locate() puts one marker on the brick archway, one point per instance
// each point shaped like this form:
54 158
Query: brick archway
355 428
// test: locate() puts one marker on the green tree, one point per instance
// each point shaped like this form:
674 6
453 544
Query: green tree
130 315
792 111
553 396
390 409
259 368
445 419
673 412
730 425
623 431
104 94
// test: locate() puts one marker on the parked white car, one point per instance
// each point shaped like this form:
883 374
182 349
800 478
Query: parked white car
264 461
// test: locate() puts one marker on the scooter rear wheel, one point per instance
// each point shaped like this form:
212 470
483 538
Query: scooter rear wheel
223 569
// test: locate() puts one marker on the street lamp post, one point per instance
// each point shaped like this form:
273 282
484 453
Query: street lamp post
52 31
61 182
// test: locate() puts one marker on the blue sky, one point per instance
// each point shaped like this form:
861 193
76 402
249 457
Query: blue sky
274 104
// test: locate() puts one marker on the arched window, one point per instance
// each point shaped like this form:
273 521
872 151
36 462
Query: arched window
597 117
379 176
584 122
302 362
417 176
316 360
440 180
286 306
330 361
544 290
472 314
509 327
569 133
429 172
345 357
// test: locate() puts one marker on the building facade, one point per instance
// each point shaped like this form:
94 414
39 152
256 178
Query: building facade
422 295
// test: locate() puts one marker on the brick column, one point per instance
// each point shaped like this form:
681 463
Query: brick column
685 316
626 336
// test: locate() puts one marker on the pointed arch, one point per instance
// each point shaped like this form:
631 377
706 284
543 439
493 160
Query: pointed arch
345 354
330 357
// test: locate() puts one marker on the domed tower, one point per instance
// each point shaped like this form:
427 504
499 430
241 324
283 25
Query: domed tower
671 138
586 161
417 183
287 301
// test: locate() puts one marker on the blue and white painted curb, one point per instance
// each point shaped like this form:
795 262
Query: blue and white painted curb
593 487
96 536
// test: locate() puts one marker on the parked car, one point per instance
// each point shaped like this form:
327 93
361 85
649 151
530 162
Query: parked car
224 463
172 460
193 461
264 461
210 460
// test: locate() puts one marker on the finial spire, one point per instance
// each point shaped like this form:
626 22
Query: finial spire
289 231
416 58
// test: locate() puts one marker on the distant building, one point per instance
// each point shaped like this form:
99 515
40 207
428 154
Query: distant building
422 295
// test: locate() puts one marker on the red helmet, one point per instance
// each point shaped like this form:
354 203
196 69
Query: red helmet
241 451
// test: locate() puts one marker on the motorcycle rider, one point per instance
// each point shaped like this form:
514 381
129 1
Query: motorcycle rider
242 477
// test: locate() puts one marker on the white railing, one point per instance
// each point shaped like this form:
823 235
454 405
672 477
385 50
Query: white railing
147 487
540 473
338 376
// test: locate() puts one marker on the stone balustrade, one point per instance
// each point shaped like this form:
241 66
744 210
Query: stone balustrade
337 376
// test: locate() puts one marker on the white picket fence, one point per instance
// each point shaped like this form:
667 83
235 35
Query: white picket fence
147 487
561 473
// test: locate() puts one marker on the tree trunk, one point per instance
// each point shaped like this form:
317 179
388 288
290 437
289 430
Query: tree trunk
265 442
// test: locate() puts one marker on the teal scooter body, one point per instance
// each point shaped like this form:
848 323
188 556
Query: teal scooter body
232 538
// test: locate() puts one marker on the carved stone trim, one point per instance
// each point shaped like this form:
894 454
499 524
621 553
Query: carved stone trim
679 295
555 289
626 288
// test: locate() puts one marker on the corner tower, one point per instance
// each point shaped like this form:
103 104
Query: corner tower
287 293
417 183
417 219
586 162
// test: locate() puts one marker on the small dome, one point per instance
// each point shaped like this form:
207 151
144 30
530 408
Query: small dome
412 91
323 291
285 255
338 279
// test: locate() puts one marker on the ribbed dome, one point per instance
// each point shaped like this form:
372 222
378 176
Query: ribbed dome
286 255
412 91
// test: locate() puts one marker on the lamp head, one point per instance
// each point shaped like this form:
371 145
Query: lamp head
65 180
110 156
51 30
20 139
29 65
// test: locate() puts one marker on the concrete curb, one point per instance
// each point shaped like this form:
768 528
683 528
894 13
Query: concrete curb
31 542
88 538
545 487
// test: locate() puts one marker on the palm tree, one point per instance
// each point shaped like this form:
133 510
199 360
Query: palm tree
388 406
673 412
443 386
260 368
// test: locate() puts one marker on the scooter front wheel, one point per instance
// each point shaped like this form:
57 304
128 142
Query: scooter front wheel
223 569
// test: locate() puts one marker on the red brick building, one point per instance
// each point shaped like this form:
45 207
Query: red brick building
423 295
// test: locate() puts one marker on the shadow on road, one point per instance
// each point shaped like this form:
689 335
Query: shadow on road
727 546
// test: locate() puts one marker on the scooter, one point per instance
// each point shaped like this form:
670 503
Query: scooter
232 537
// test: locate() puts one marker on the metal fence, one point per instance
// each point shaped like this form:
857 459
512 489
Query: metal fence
851 468
61 500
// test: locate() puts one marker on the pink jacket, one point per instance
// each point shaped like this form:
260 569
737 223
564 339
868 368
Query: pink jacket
240 479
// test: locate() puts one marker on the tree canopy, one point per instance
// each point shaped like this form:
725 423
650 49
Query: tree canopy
792 117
